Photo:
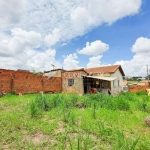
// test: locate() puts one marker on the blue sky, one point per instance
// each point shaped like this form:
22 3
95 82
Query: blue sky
75 33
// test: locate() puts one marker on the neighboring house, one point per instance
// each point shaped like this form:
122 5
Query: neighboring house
108 80
54 73
141 78
125 85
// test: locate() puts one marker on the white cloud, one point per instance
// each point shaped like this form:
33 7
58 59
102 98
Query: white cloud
53 38
70 61
94 48
56 21
20 41
30 60
137 65
32 39
11 11
81 18
93 13
19 52
142 45
72 18
94 61
64 44
43 60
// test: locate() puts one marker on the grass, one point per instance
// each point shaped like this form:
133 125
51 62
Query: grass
65 122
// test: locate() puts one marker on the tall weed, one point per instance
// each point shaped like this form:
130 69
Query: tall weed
122 103
40 103
124 144
33 108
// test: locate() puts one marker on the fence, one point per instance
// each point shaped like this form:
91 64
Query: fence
136 88
27 82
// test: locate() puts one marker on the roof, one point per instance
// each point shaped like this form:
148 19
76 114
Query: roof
101 78
105 69
23 70
54 70
78 69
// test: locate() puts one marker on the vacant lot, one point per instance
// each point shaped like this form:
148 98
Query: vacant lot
90 122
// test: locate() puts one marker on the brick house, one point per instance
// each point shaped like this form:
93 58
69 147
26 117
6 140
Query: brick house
72 81
108 79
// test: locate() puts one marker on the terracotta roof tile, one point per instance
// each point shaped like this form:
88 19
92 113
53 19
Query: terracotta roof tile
105 69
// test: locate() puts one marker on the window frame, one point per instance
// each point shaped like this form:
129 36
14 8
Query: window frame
70 82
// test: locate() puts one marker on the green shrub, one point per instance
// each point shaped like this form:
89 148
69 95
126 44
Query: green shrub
122 103
140 93
33 108
143 106
41 102
145 98
128 96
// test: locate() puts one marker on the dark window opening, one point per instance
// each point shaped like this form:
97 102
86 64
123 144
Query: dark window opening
70 82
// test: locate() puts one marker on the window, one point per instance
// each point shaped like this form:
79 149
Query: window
70 82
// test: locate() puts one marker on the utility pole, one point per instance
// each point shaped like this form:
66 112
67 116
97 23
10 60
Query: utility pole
148 76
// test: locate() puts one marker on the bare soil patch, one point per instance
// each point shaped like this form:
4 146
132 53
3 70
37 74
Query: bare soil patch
36 138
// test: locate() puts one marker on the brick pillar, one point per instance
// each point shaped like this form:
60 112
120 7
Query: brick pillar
11 85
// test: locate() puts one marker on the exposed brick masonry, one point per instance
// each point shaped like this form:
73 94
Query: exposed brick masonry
137 88
27 82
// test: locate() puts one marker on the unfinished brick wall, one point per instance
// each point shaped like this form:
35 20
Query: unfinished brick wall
5 83
5 80
27 82
53 84
138 88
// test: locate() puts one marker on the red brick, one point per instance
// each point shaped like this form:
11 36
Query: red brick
27 82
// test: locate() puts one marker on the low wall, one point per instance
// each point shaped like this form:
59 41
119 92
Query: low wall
5 83
27 82
137 88
53 84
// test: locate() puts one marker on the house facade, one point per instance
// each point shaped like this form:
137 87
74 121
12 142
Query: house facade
72 81
107 79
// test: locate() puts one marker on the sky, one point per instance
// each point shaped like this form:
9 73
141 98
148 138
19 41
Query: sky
71 34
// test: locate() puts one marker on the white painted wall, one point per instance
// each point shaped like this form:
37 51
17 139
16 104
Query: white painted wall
117 85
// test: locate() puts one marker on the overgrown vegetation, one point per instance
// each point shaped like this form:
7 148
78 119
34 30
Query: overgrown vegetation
65 122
